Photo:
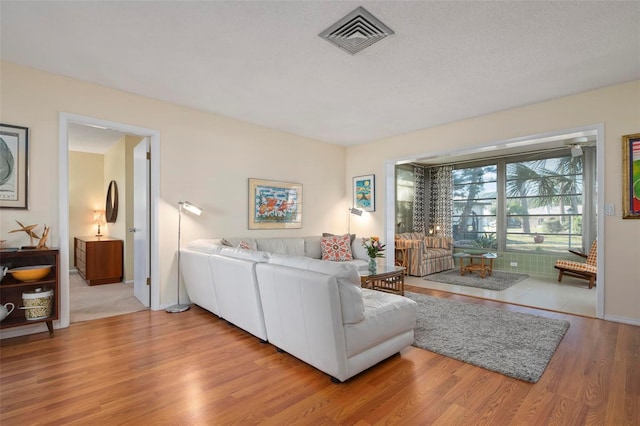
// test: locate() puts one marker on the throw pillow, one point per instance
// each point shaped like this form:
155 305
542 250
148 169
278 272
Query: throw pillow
244 245
327 234
336 248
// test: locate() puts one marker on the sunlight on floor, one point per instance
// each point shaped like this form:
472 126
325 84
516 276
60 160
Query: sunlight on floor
571 295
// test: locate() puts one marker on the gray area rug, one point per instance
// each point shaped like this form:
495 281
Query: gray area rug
497 281
511 343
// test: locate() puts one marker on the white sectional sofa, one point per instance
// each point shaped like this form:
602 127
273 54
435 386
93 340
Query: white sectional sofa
312 309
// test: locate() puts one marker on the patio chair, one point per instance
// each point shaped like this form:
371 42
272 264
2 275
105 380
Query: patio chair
587 270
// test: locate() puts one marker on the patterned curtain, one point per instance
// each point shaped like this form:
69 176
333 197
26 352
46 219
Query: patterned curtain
440 201
418 200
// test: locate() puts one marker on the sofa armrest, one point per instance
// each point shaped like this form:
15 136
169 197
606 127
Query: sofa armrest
410 244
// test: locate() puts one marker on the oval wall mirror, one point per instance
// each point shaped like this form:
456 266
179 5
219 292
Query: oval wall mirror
112 202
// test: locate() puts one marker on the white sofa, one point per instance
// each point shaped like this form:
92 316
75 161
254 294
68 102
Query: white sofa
312 309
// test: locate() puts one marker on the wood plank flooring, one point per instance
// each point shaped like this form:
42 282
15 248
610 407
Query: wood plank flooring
193 368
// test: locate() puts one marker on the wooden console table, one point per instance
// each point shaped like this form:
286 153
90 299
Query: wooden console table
387 278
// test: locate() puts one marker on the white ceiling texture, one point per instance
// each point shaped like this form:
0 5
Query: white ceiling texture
262 61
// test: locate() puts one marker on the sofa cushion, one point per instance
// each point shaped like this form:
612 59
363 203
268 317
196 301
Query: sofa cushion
386 315
351 236
346 275
312 247
290 246
210 246
238 253
336 248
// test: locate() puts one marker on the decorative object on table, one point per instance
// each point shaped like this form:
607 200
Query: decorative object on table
14 167
497 281
31 273
374 250
364 193
511 343
99 218
111 206
4 311
29 231
3 272
355 212
631 176
37 304
274 205
191 208
42 244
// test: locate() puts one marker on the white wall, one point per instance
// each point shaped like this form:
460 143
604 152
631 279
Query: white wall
206 159
617 107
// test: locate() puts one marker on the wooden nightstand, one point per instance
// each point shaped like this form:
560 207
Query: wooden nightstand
98 259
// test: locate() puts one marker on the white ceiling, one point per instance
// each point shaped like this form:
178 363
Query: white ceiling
263 62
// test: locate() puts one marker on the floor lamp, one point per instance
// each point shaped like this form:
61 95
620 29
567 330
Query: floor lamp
182 205
356 212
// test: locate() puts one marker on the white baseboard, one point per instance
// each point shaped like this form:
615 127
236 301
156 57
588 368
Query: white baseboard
622 320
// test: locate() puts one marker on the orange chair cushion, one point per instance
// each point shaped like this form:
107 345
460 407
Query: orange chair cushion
576 266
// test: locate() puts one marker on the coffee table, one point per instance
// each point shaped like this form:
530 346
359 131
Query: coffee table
387 278
483 266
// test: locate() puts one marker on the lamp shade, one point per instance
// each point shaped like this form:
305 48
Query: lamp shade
355 211
191 208
99 217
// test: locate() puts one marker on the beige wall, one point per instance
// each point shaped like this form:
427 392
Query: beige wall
617 107
204 158
115 169
86 194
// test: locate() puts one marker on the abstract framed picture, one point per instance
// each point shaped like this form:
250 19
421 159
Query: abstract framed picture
631 176
14 167
274 204
364 193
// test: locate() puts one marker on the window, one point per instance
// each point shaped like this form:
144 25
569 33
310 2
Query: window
475 206
405 189
544 204
533 202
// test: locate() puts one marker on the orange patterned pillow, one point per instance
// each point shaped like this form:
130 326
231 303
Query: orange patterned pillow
336 248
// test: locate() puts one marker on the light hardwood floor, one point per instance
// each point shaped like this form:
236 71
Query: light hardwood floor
192 368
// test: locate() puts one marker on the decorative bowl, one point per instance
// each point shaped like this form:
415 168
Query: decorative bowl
30 273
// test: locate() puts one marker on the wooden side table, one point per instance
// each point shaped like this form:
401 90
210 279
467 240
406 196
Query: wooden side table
401 258
388 279
484 267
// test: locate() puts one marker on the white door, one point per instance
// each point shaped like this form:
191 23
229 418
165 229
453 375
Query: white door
140 229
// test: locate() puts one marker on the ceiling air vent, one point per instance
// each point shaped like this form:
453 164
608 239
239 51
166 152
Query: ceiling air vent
356 31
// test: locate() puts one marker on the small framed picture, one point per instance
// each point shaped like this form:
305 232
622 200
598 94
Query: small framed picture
14 167
364 193
631 176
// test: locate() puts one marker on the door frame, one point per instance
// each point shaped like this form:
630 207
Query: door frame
63 184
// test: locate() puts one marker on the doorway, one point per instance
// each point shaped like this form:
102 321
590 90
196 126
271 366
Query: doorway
530 143
66 250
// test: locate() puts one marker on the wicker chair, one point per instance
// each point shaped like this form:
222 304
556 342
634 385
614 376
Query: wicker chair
587 270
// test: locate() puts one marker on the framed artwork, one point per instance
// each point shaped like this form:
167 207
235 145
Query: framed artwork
14 167
274 205
364 193
631 176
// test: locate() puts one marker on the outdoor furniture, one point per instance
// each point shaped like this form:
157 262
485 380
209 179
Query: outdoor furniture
587 270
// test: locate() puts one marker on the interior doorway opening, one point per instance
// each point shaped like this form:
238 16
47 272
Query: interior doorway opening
548 141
